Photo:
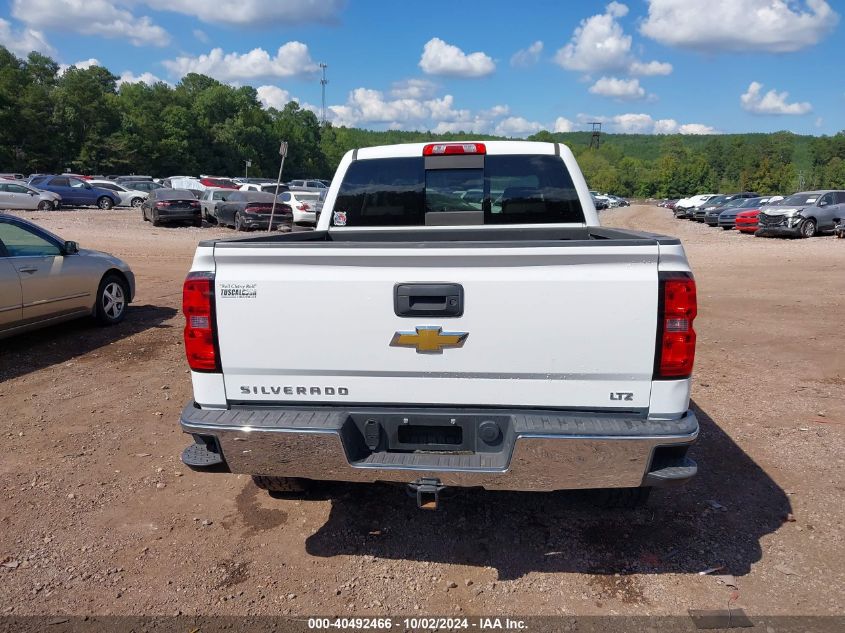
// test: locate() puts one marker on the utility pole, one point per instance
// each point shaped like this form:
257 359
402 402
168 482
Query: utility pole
595 139
323 83
248 164
283 151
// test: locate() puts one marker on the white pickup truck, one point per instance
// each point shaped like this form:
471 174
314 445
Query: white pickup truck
424 336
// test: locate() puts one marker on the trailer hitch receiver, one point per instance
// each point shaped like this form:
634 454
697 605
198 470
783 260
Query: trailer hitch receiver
427 491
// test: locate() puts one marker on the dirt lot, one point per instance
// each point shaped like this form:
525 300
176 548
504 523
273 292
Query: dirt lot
98 515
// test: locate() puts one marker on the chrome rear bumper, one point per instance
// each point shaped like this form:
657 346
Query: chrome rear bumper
537 450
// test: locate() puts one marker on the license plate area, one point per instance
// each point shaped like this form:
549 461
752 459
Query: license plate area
418 432
420 435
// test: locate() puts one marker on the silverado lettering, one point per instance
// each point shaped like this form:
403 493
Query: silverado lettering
289 391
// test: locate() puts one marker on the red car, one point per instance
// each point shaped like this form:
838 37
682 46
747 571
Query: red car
746 221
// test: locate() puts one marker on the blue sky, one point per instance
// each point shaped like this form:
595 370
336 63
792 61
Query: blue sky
653 66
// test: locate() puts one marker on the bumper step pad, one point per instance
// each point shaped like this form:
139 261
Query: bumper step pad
200 456
675 472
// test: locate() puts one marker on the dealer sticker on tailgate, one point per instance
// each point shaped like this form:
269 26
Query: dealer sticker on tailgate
238 291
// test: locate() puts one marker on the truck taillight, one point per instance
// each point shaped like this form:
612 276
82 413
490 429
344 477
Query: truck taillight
198 307
675 334
446 149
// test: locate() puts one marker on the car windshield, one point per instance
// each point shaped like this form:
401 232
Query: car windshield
800 199
749 202
716 200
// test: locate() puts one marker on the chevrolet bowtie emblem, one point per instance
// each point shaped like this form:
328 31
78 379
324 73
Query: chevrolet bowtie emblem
429 339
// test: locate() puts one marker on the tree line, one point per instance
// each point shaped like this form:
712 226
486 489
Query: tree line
85 121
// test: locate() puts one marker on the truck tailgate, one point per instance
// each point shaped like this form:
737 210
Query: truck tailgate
569 326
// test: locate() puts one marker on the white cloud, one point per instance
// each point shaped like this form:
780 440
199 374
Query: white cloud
627 89
85 64
495 112
599 44
696 128
562 124
440 58
22 42
772 102
128 77
366 107
617 9
413 89
527 56
255 12
517 126
292 59
202 36
640 123
777 26
650 68
273 97
90 17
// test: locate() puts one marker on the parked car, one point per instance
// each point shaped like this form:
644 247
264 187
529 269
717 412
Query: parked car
803 214
730 200
208 202
599 203
727 218
76 192
247 210
15 194
168 206
128 197
266 187
308 185
305 205
142 185
693 202
11 176
251 181
217 181
124 179
617 201
45 280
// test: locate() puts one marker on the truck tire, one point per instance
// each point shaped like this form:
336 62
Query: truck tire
622 498
281 484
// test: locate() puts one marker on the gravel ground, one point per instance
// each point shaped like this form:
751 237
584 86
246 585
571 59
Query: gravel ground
98 516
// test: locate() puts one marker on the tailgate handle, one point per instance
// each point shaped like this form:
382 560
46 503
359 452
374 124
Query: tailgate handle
415 300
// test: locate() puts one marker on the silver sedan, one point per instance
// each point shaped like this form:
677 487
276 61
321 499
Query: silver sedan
46 280
19 195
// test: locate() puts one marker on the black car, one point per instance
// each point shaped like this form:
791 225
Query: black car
712 214
247 210
167 206
701 211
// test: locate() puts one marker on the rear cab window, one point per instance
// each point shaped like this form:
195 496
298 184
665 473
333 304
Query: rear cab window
457 190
